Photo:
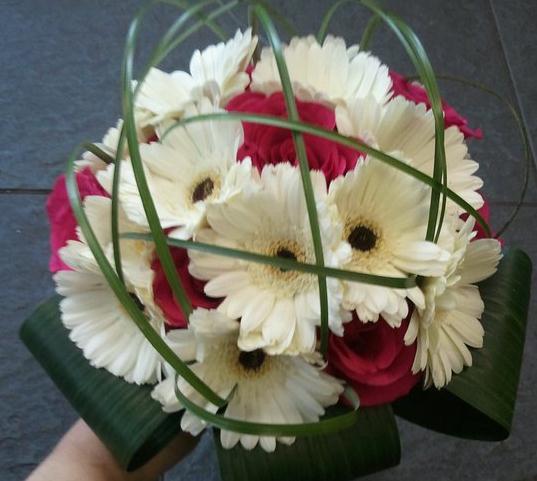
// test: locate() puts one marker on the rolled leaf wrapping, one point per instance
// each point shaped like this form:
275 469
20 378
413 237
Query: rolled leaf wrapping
479 402
372 444
124 416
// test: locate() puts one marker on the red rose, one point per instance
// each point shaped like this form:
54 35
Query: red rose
415 92
193 287
373 359
272 145
62 220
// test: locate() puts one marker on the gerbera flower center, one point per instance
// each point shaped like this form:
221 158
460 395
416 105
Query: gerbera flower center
287 282
362 238
203 190
285 254
252 360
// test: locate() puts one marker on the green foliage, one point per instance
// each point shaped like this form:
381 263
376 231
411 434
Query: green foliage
347 443
372 444
124 416
479 403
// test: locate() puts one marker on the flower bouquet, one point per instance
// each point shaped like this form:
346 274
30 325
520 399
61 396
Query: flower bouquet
288 244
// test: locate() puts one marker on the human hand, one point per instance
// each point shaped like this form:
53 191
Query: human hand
81 456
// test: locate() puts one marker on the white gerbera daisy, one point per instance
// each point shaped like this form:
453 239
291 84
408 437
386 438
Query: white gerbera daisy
193 166
279 309
99 324
404 126
450 320
384 213
330 73
268 389
218 73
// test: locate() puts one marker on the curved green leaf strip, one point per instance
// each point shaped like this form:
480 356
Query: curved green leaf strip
372 444
368 32
169 41
185 5
128 132
369 29
300 147
414 48
327 18
114 206
153 221
479 403
98 152
329 425
419 58
281 263
524 138
317 131
122 294
280 18
124 416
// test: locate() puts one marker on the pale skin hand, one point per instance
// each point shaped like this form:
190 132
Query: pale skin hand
80 456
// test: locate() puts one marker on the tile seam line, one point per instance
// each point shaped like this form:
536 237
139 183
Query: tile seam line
24 191
514 86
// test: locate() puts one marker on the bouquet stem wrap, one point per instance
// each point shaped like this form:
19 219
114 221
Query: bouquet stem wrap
345 442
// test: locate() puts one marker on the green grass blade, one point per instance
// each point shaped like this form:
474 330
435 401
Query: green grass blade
523 137
327 18
368 32
185 5
167 43
161 248
114 217
369 29
174 43
311 129
419 58
300 147
97 151
281 263
284 22
254 24
325 426
157 55
123 295
171 40
164 47
114 227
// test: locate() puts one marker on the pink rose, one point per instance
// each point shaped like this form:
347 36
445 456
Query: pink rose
415 92
373 358
194 290
272 145
62 220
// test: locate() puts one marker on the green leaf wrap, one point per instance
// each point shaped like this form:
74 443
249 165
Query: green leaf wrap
372 444
124 416
479 402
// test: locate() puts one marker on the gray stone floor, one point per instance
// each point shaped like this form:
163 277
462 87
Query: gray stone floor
59 64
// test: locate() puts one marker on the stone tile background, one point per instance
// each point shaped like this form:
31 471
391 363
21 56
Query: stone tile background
59 83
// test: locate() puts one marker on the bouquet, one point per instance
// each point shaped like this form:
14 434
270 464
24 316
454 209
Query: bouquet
287 243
